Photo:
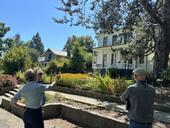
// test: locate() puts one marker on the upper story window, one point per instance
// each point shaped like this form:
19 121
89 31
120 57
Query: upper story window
119 39
49 56
114 39
105 40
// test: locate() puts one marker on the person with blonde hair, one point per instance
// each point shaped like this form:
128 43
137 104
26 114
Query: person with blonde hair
140 101
32 92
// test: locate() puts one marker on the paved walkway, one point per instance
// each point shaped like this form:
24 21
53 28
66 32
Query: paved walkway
8 120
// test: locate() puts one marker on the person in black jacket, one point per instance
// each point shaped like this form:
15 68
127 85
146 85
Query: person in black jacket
140 101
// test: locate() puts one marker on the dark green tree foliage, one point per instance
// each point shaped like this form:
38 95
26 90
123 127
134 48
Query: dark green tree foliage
107 15
78 63
36 43
16 59
84 41
3 31
85 45
52 68
34 54
9 43
70 42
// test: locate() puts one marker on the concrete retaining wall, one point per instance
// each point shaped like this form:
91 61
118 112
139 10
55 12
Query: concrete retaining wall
81 117
88 119
88 94
159 107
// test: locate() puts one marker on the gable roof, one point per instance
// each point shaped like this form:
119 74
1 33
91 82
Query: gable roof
56 52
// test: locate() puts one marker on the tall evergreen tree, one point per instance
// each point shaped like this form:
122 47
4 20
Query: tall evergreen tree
36 43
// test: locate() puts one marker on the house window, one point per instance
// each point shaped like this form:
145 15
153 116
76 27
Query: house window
114 39
112 59
95 60
141 59
119 39
105 39
49 56
104 60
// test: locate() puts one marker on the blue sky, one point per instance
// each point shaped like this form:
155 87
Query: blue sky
27 17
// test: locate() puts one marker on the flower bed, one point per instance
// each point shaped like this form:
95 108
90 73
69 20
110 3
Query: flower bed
97 84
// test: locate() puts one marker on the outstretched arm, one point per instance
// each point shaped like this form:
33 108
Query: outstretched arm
49 87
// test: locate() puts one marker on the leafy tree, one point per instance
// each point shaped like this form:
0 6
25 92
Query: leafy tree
77 62
16 59
34 54
70 42
84 41
3 31
9 43
36 43
108 15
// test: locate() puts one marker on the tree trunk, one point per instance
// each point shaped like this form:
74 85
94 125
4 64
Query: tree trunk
161 56
162 49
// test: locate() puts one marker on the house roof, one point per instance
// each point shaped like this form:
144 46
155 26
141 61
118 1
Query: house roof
56 52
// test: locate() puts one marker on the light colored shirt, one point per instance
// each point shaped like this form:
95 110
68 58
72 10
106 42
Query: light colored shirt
141 102
33 93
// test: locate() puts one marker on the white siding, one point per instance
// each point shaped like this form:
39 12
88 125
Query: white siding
109 43
109 55
99 58
120 63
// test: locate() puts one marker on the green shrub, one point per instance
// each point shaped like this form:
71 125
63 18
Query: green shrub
105 84
99 84
52 67
91 84
120 85
115 73
81 81
72 80
20 77
47 79
16 59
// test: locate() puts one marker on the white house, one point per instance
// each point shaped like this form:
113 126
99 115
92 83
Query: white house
108 54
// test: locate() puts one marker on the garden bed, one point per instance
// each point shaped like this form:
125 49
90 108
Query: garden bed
88 93
86 115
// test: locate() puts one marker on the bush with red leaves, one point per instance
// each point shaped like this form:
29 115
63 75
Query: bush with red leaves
7 81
